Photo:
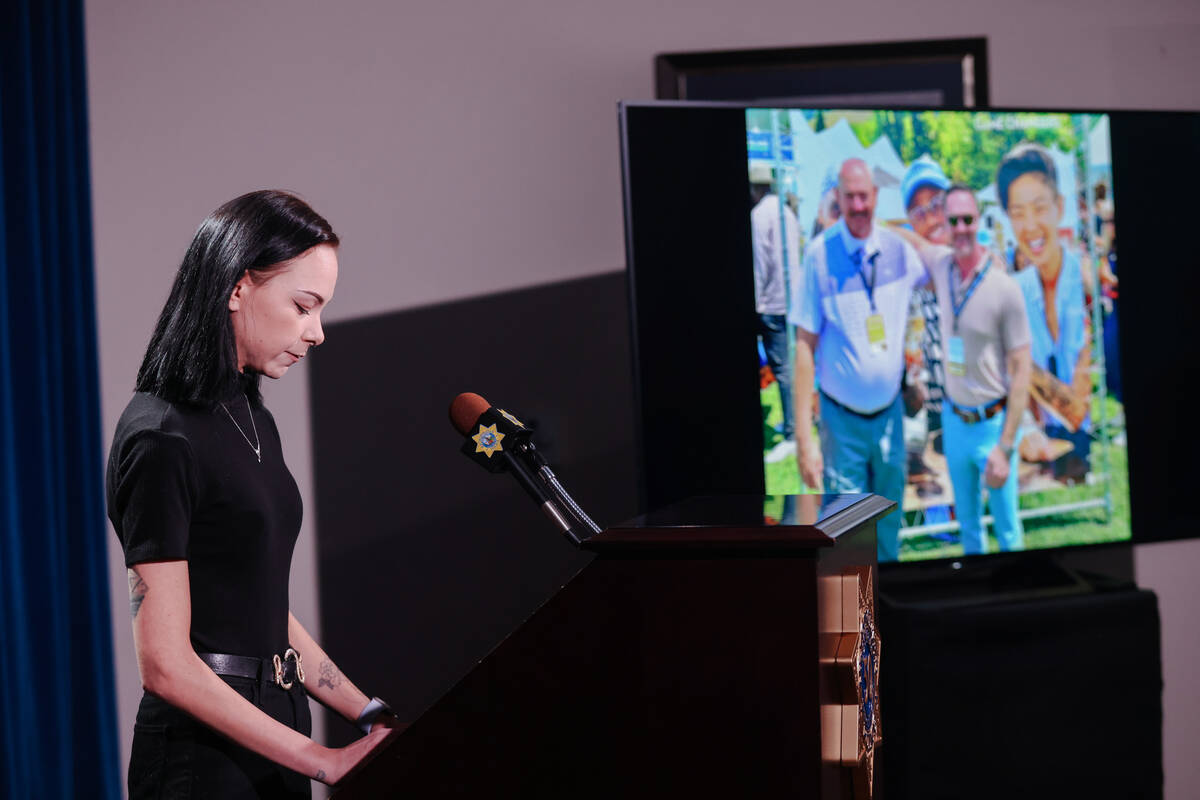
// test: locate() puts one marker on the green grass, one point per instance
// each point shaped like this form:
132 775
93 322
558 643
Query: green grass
1089 526
782 477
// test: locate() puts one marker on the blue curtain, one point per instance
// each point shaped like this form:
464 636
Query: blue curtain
58 731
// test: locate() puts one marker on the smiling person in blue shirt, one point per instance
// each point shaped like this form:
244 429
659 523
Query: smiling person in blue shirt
1052 284
850 308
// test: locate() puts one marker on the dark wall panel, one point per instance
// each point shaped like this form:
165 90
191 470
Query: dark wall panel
427 561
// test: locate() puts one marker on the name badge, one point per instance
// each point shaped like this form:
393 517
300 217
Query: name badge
875 333
956 359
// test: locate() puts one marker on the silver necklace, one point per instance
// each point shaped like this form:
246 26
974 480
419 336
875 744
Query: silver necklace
257 446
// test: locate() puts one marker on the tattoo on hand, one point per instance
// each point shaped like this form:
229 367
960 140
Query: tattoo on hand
329 675
137 592
320 775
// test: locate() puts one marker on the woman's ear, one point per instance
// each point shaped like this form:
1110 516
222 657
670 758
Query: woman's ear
238 296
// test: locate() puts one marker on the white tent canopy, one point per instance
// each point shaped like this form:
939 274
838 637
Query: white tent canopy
816 157
1099 147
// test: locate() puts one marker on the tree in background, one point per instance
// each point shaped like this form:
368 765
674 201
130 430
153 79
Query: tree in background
967 145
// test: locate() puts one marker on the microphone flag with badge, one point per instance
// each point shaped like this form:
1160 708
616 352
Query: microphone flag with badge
499 442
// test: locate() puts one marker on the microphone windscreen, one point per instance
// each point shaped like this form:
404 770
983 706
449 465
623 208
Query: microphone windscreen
465 410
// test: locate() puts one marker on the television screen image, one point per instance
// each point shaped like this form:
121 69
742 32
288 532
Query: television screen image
934 295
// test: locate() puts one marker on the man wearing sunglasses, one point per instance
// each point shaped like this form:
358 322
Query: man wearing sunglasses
923 189
987 339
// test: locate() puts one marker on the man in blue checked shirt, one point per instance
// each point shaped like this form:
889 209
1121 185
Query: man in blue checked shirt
850 309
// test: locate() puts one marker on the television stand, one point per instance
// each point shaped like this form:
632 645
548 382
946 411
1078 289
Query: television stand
1019 678
1019 576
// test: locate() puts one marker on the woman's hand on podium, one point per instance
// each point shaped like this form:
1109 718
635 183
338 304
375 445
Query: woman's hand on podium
388 721
344 759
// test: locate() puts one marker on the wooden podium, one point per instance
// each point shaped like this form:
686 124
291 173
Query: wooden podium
706 649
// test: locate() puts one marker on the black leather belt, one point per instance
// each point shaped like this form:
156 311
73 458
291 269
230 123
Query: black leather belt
972 415
869 415
283 671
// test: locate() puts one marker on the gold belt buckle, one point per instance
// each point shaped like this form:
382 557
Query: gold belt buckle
278 663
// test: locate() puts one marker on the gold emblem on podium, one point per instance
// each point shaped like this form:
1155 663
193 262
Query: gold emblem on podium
849 651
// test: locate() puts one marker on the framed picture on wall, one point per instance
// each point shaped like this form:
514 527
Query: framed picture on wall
948 73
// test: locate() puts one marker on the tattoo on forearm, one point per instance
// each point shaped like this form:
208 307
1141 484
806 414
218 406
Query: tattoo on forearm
137 592
329 675
320 775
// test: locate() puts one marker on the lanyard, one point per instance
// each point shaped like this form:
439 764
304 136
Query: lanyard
957 306
870 287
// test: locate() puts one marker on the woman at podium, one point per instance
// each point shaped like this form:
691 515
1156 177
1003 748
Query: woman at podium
208 514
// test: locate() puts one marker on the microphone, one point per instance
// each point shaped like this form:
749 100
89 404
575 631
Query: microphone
499 442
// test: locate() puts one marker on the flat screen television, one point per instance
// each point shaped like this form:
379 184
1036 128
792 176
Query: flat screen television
739 253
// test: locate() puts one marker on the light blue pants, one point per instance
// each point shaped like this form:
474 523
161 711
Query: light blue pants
867 455
966 445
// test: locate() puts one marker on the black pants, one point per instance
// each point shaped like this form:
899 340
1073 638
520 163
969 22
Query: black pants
174 756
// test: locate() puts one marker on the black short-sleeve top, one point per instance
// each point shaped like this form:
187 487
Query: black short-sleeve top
185 483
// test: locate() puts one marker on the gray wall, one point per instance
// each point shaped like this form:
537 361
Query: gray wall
465 148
